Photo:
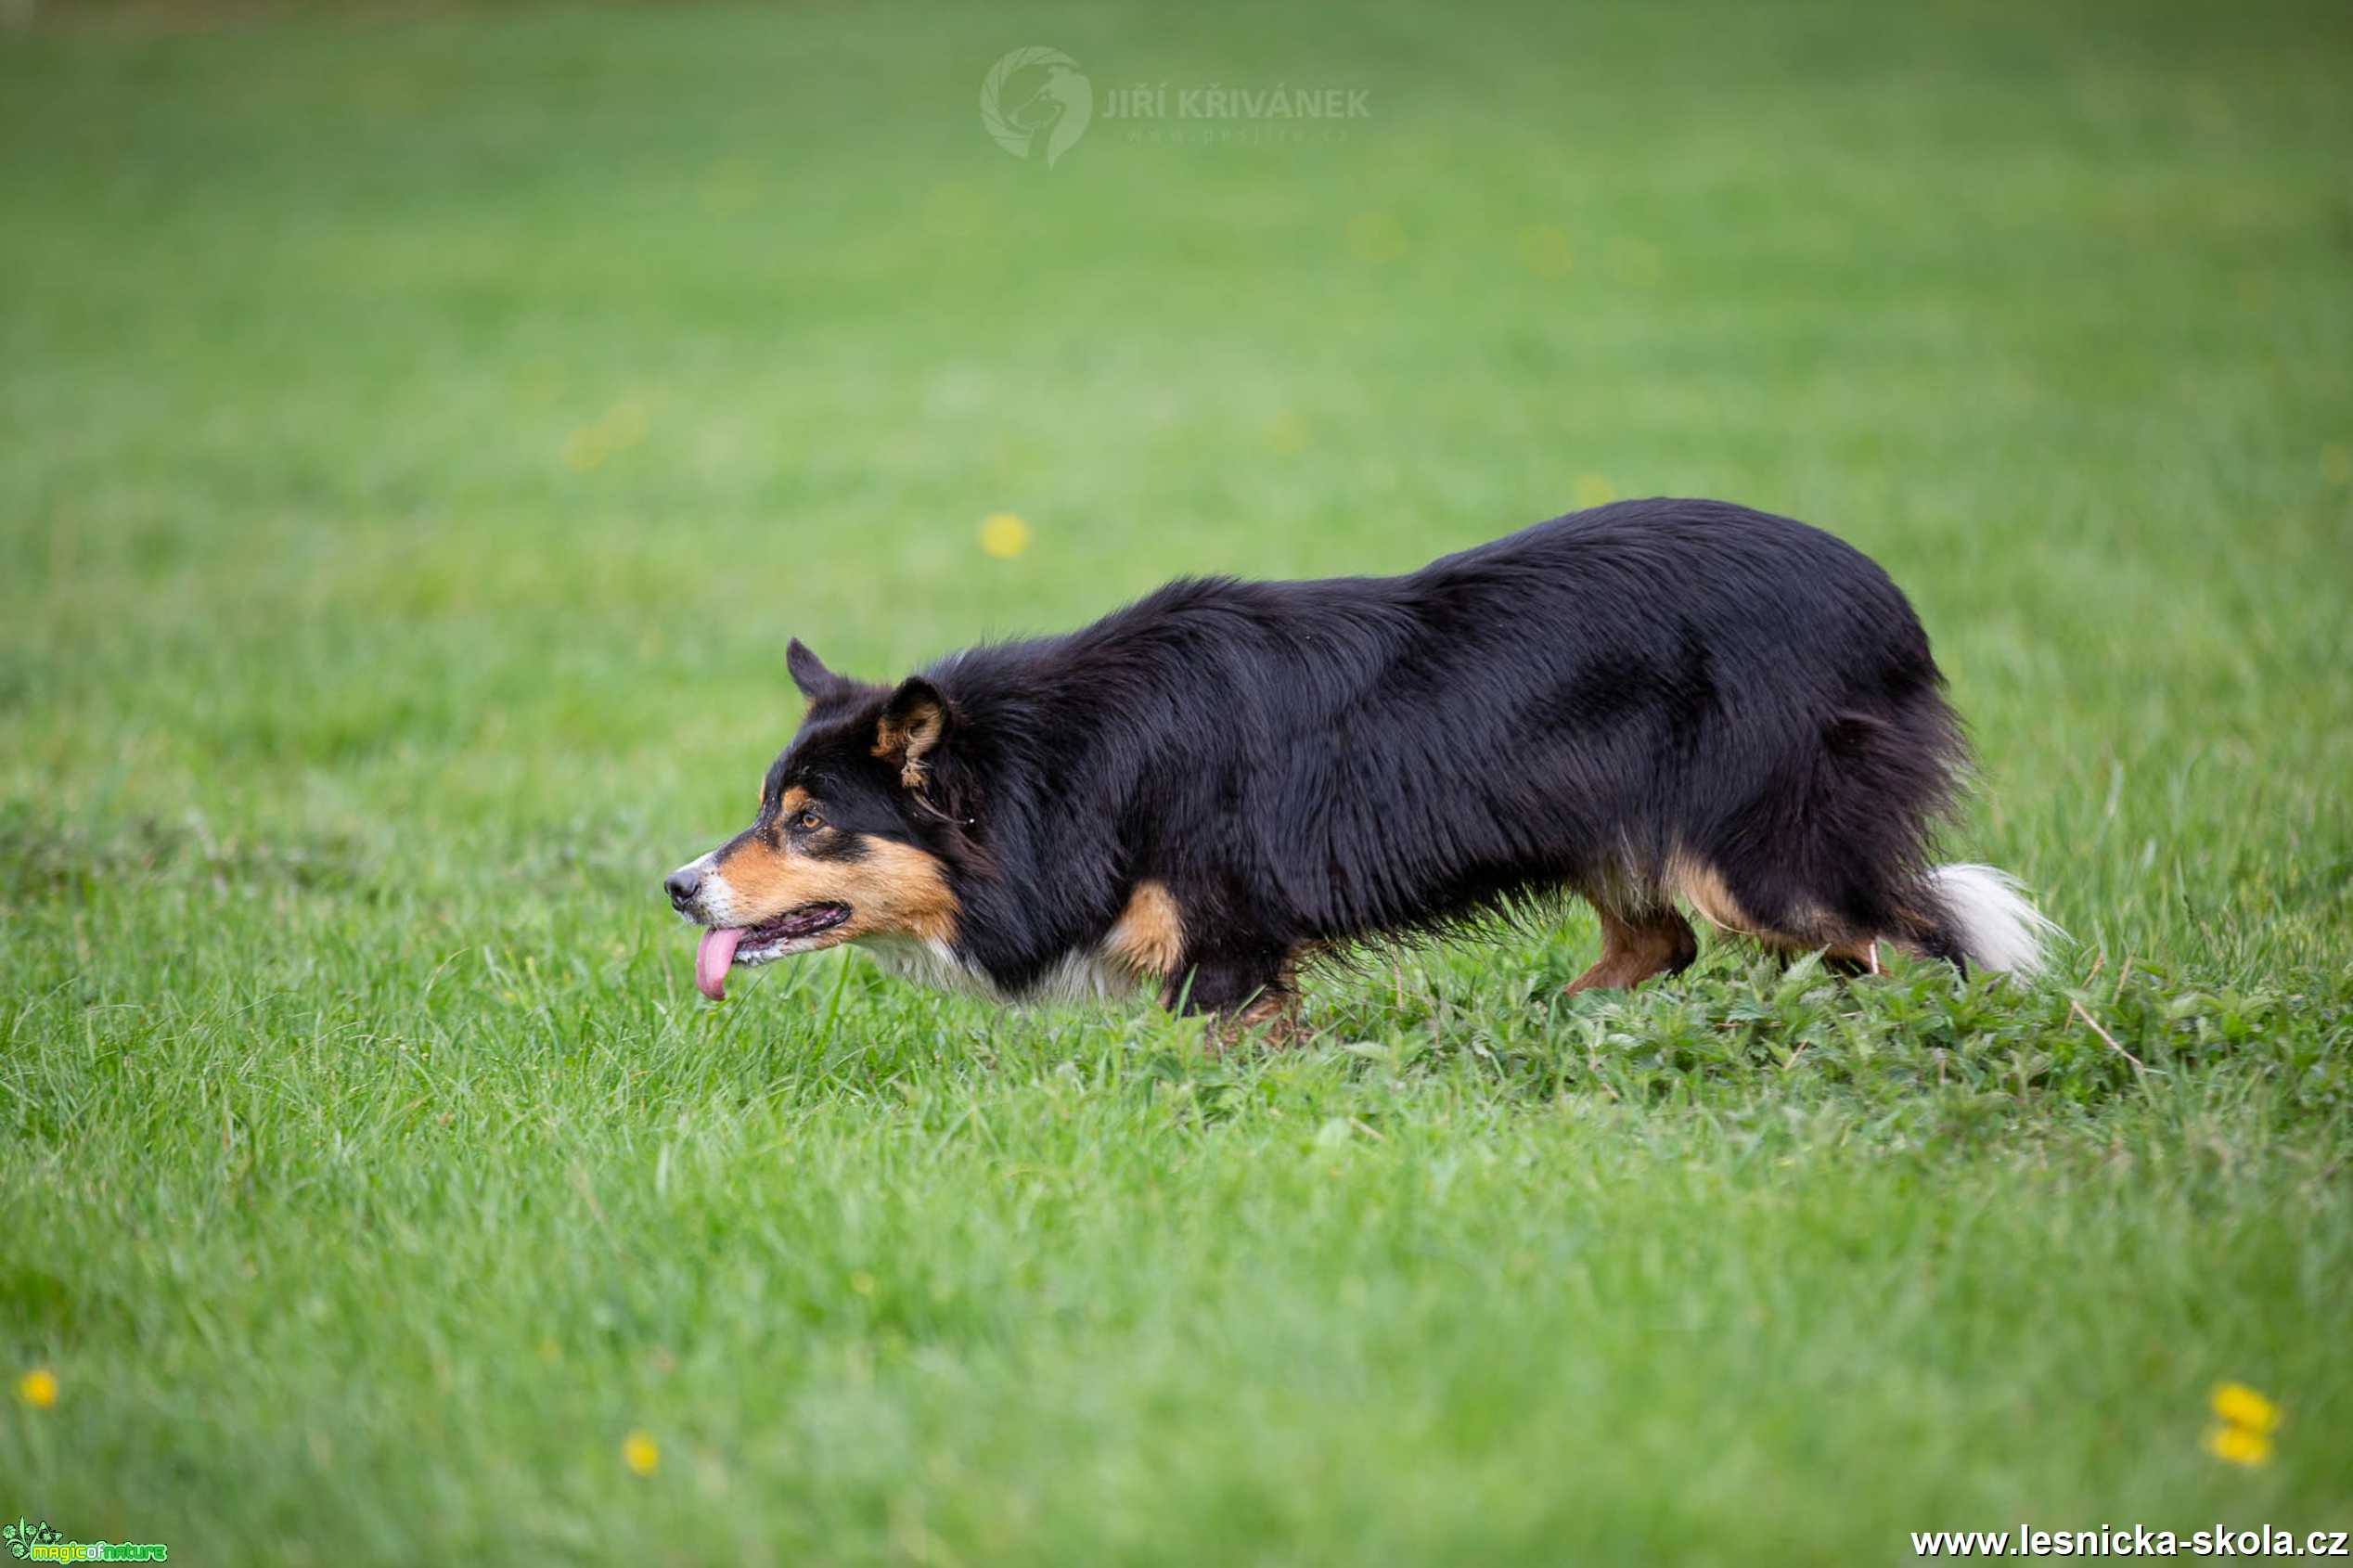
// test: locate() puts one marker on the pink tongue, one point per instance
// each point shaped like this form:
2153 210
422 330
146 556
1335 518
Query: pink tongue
711 961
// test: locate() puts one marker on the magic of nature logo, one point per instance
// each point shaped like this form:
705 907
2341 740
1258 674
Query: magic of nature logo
36 1540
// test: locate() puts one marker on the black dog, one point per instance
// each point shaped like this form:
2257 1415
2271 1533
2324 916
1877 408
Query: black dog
1648 701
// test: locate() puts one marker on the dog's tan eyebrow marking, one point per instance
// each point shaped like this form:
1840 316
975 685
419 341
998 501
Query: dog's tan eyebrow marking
791 801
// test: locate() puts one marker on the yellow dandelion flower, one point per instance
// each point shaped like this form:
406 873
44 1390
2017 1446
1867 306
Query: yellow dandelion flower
38 1388
1004 535
1591 490
1376 237
2239 1406
2236 1444
732 185
640 1453
622 427
1544 251
586 449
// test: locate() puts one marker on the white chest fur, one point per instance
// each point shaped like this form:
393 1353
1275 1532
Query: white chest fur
1088 974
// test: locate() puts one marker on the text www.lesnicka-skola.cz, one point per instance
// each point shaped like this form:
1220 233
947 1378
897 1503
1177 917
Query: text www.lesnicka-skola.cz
2219 1541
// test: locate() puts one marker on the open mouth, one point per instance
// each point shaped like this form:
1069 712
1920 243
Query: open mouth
795 931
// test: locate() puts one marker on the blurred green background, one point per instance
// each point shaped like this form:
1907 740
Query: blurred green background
420 432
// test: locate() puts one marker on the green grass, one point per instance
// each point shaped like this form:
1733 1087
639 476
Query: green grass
418 438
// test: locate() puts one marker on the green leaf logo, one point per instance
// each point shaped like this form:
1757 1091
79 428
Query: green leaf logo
23 1536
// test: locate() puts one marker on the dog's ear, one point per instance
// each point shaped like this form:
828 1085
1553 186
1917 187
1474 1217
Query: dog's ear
916 719
808 671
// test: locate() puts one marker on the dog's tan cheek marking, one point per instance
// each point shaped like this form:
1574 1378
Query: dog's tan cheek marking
898 890
891 889
1149 937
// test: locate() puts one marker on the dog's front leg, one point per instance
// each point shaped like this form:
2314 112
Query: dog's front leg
1254 989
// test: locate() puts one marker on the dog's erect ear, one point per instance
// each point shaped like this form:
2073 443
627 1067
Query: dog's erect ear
809 673
914 722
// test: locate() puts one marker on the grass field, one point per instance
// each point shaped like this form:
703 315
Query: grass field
418 438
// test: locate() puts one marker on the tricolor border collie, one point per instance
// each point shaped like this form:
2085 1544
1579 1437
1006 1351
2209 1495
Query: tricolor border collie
1649 704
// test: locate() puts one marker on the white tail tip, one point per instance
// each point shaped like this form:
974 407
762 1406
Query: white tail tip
1997 929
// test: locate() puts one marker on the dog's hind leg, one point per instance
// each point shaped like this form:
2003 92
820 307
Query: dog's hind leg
1785 919
1637 946
1853 958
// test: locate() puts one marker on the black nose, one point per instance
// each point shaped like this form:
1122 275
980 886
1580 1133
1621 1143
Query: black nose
682 885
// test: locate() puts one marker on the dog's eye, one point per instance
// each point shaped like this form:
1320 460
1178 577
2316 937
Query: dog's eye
808 822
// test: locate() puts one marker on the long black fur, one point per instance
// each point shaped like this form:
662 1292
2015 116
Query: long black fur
1313 764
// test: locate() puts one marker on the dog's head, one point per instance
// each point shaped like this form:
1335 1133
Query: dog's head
851 834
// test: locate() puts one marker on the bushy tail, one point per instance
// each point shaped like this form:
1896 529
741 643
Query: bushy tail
1995 926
